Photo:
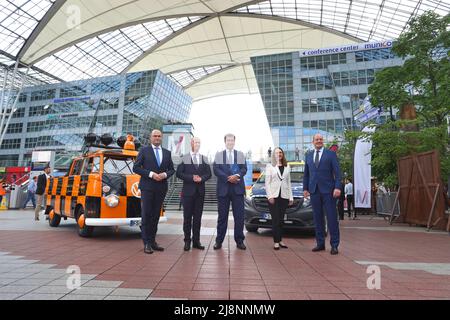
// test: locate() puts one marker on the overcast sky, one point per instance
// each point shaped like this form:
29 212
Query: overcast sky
242 115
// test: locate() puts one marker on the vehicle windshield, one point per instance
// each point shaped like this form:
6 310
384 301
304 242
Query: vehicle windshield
296 175
117 165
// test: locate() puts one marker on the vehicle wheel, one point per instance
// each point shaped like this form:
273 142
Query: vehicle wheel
83 230
53 218
251 229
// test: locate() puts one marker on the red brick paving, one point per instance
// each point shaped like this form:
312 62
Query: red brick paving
257 273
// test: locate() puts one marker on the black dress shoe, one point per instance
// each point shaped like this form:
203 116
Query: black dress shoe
187 246
156 247
148 249
198 245
316 249
241 246
217 246
334 251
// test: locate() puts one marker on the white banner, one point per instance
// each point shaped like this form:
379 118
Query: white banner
363 171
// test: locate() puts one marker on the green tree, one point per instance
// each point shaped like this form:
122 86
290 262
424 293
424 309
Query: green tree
424 78
423 83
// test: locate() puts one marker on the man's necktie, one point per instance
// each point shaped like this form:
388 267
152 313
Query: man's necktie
195 161
158 160
230 159
316 159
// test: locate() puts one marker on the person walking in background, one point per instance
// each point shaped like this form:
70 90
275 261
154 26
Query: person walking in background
350 199
40 190
269 153
322 181
297 154
154 165
279 193
230 168
194 170
31 191
2 189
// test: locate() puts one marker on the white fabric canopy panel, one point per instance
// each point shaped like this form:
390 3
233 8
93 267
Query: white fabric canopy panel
239 79
233 40
77 20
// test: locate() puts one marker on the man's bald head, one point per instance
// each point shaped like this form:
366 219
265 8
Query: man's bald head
156 137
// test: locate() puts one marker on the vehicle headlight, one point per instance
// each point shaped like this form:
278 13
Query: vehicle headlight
112 200
106 189
306 202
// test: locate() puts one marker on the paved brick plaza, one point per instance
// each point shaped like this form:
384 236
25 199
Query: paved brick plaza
415 264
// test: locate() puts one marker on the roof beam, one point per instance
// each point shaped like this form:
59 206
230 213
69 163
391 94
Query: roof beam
40 26
165 40
248 15
114 28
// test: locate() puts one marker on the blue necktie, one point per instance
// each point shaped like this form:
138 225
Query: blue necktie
158 161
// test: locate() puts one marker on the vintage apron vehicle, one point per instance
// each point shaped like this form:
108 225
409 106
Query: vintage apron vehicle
100 189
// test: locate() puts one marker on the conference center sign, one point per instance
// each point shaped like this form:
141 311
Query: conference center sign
348 48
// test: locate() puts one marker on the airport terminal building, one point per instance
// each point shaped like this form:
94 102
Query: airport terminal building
318 90
58 116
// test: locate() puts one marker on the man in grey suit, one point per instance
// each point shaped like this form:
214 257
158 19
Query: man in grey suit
194 170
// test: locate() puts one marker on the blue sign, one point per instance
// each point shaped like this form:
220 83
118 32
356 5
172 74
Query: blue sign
60 100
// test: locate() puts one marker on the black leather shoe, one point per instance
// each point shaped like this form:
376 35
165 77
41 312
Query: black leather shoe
217 246
187 246
241 246
316 249
148 249
198 245
156 247
334 251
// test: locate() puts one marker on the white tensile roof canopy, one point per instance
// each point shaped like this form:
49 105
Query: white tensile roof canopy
203 45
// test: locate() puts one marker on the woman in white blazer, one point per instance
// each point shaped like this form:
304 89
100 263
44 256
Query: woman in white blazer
279 193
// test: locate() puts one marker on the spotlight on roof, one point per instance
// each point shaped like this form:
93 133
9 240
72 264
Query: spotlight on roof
106 139
90 138
121 141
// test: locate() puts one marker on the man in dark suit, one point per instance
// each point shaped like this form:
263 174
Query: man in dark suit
40 190
154 165
194 170
230 168
322 181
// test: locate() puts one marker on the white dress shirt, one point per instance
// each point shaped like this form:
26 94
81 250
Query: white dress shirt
195 158
232 159
320 154
160 153
348 189
228 155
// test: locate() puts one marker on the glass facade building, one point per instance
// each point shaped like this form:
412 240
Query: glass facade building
309 92
58 116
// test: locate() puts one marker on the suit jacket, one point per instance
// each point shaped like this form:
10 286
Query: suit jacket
274 181
186 171
146 162
41 184
223 171
327 176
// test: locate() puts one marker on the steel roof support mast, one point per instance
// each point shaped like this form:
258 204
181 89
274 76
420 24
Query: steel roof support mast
4 103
